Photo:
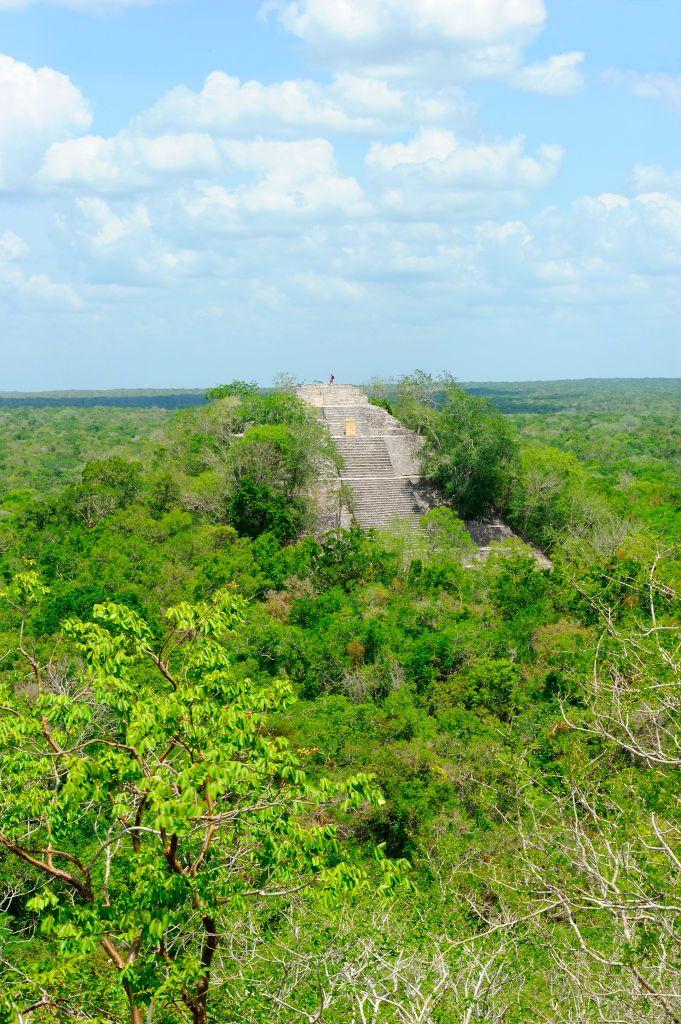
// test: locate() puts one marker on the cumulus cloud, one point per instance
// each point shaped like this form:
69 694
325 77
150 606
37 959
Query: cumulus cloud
606 250
12 246
436 169
560 75
293 176
295 236
350 103
106 227
657 86
37 106
126 247
286 179
628 243
431 39
263 191
128 161
26 289
328 287
235 176
653 178
367 25
226 104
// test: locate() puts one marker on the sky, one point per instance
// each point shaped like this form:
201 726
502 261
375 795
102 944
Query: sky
193 191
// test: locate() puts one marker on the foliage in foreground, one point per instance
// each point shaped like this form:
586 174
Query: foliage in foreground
141 788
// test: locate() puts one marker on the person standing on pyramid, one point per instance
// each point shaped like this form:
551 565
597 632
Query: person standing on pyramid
331 379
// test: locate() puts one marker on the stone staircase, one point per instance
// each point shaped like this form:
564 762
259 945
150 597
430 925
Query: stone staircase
380 456
364 457
377 501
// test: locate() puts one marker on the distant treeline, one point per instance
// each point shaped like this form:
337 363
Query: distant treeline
121 399
590 395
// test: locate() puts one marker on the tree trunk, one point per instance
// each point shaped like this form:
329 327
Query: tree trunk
198 1000
136 1012
199 1013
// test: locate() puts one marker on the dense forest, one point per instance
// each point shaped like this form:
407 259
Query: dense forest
251 773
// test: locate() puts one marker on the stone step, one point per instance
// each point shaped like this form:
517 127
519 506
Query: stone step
365 456
368 420
365 445
376 502
332 394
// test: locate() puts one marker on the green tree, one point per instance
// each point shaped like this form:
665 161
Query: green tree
470 453
149 805
256 508
235 389
274 455
107 485
284 382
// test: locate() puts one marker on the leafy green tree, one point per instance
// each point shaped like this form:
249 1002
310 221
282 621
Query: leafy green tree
522 724
253 461
422 388
164 492
351 557
148 805
106 485
470 453
285 383
543 501
280 407
256 508
274 455
235 389
117 475
469 450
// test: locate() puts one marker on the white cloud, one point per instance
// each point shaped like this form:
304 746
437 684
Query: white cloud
283 249
430 39
291 178
377 23
350 103
129 161
237 175
233 192
440 159
653 178
665 212
25 289
127 244
12 246
225 103
632 236
37 106
608 251
264 190
294 176
657 86
108 227
560 75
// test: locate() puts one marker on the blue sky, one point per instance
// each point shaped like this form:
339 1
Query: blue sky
195 190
